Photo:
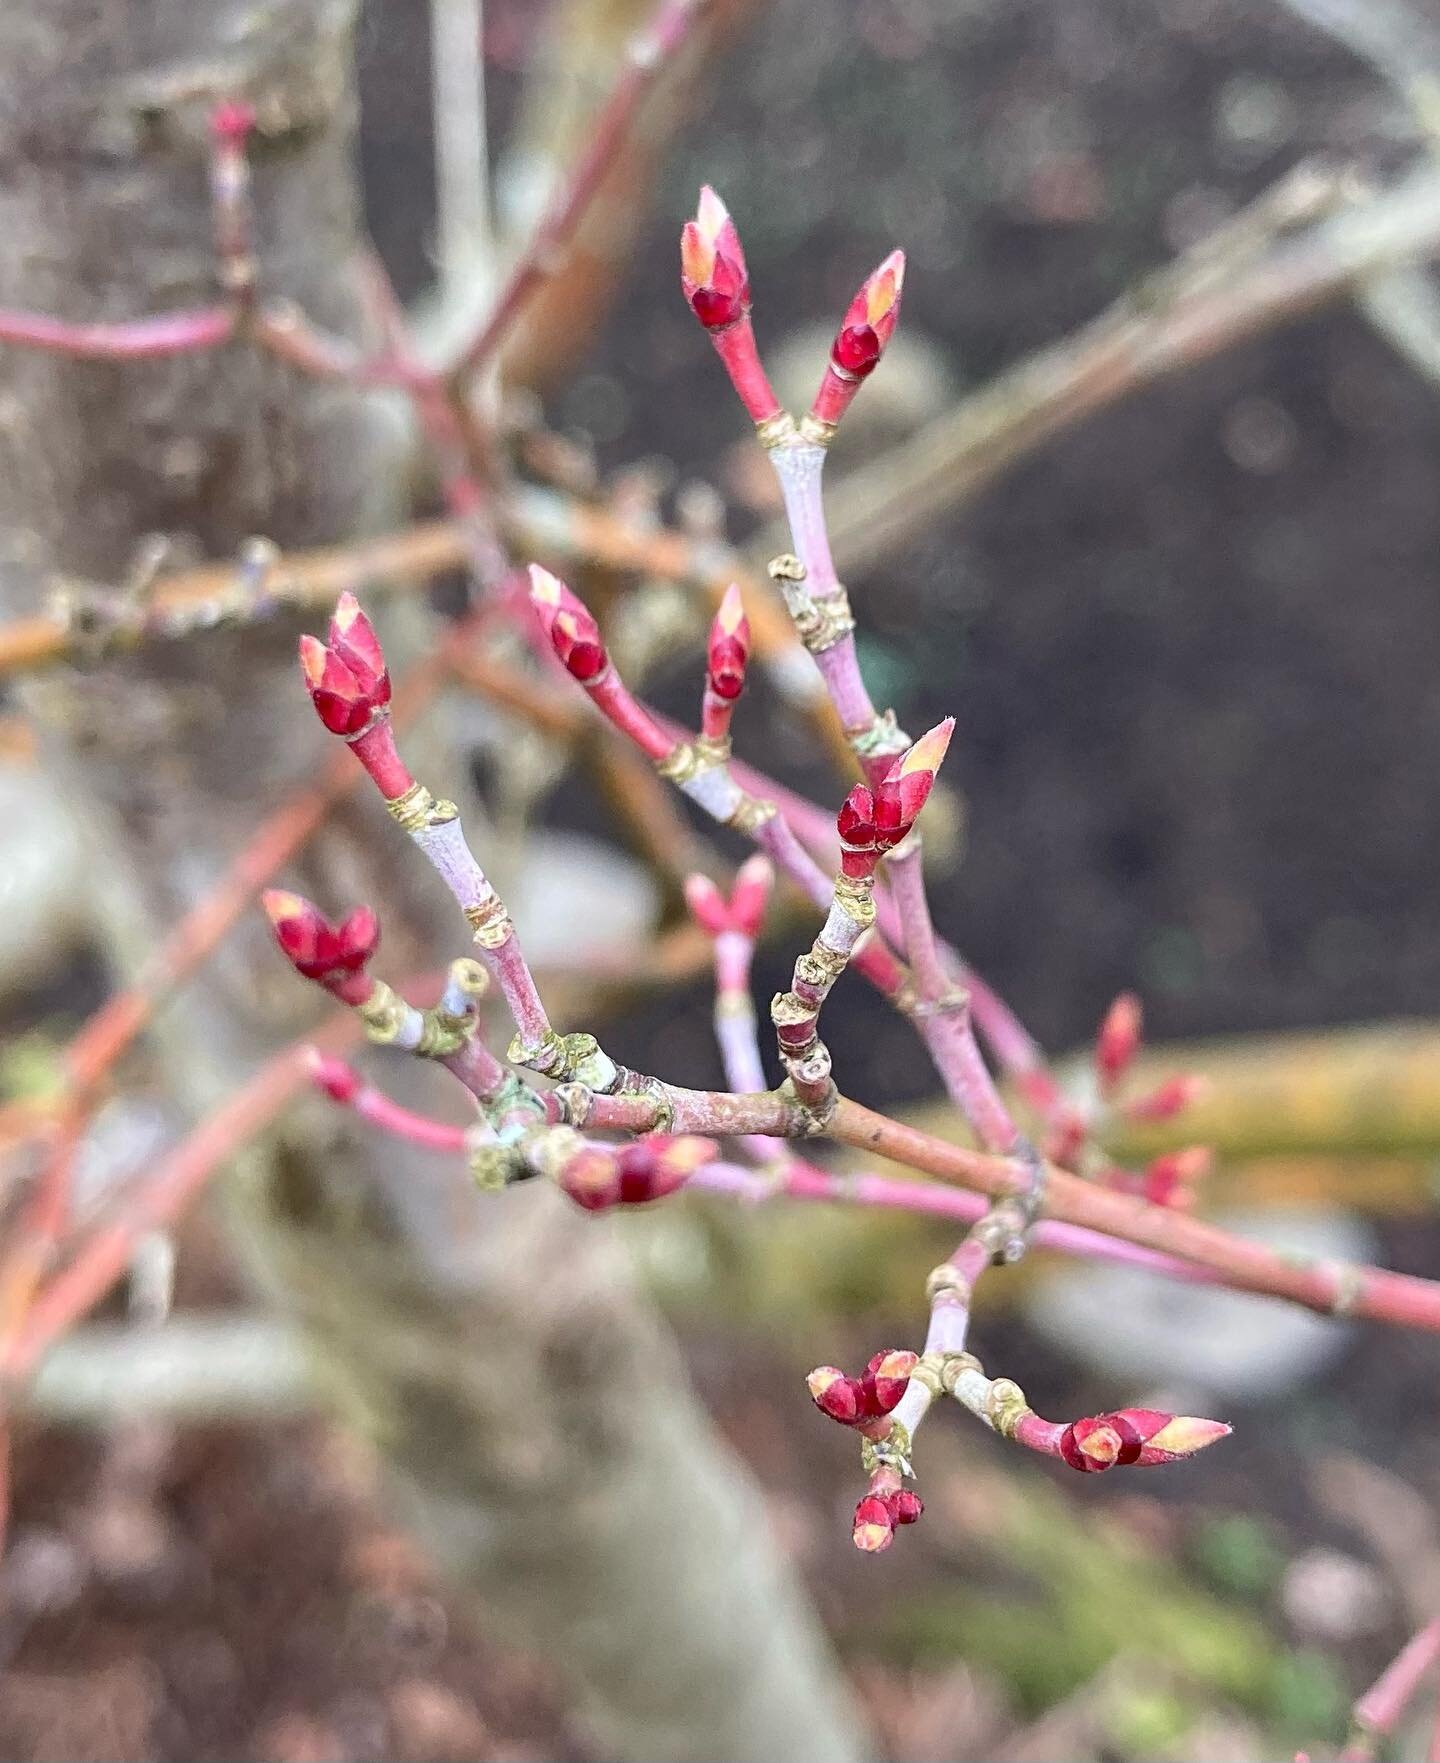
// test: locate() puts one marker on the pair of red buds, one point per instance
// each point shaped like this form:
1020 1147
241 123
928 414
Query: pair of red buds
1136 1435
715 281
874 820
878 1515
347 679
744 911
601 1176
313 946
858 1401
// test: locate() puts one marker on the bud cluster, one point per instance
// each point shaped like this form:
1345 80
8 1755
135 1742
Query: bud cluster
347 679
599 1177
878 1515
1146 1436
744 911
315 948
873 821
859 1401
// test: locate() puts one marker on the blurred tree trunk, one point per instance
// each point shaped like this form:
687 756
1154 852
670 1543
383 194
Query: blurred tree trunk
532 1411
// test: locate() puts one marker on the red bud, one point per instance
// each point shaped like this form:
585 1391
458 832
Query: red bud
840 1397
904 1506
729 647
1118 1040
751 894
572 631
340 701
1171 1178
873 1528
592 1178
658 1164
313 946
1169 1098
868 325
712 265
707 904
886 1378
1147 1436
352 637
856 820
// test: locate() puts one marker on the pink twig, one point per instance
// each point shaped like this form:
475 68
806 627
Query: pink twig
342 1083
1377 1713
173 333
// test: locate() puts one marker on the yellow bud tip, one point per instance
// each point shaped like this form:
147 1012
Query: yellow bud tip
347 610
731 612
710 214
313 656
884 287
1102 1446
929 750
280 905
1186 1434
871 1537
900 1363
544 587
683 1156
697 255
821 1378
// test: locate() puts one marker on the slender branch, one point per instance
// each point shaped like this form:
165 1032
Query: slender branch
140 339
647 57
1377 1713
1141 339
1333 1288
113 1029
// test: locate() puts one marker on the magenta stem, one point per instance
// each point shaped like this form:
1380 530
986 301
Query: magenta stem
172 333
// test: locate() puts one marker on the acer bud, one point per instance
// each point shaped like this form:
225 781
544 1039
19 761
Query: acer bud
568 623
867 327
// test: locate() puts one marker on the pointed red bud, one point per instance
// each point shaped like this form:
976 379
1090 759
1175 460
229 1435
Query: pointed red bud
873 1529
840 1397
712 265
707 904
1118 1040
751 894
312 945
1169 1098
1146 1436
352 637
856 820
908 783
573 633
729 647
870 319
340 701
1171 1178
886 1379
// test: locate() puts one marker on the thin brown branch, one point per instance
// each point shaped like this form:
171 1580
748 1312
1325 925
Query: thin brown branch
1172 322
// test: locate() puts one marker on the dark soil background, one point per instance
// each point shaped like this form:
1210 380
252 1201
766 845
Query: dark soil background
1193 652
